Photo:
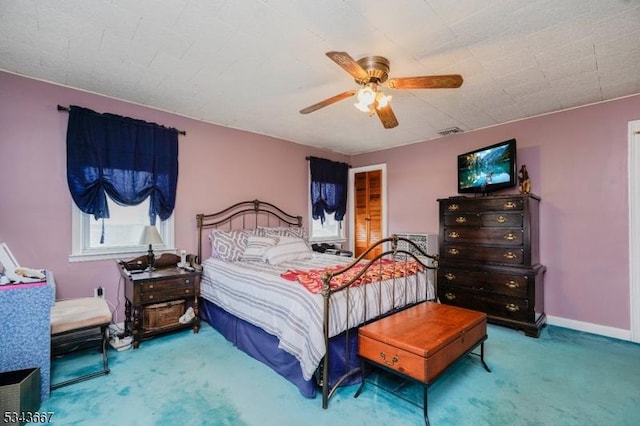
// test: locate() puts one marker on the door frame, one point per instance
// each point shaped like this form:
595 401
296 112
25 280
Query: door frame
351 197
634 228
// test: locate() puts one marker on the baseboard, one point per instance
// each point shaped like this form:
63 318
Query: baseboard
616 333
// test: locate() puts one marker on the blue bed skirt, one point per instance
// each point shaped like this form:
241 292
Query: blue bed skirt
264 347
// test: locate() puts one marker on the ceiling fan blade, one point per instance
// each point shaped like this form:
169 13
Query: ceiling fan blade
450 81
328 101
349 65
387 117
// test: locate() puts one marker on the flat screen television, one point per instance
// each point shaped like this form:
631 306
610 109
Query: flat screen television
488 169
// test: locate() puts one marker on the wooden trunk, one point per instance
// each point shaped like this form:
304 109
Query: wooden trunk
422 341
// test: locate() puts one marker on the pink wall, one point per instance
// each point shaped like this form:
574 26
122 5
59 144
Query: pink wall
577 161
218 166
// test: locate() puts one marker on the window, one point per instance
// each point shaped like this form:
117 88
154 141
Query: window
122 233
328 182
331 229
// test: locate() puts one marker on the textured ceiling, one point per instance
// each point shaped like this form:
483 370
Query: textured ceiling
253 64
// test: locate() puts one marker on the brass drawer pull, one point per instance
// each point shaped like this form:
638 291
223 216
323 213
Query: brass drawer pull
449 276
450 296
512 307
510 236
461 219
151 296
501 219
454 234
384 359
150 285
187 290
453 251
510 205
512 284
453 207
186 281
510 255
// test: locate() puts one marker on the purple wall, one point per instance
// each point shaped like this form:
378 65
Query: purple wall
577 161
218 166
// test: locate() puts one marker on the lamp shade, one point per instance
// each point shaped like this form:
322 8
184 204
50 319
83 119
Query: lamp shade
150 235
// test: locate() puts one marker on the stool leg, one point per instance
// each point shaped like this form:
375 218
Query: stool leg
105 348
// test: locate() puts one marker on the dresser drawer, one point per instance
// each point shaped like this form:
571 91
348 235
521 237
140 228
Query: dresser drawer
513 220
494 236
506 255
513 308
513 285
474 205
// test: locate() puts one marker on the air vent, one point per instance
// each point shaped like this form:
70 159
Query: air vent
449 131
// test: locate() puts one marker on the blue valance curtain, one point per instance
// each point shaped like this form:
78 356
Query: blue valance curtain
123 158
329 182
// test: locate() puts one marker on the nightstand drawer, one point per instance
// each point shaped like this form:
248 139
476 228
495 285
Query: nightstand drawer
159 291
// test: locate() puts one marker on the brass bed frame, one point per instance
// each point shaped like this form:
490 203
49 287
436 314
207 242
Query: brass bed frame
254 213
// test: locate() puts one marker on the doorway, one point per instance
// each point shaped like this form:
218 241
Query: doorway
367 208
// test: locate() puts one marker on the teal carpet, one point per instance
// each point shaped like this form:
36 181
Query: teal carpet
563 378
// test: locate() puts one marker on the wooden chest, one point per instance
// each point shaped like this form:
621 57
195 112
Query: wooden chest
422 341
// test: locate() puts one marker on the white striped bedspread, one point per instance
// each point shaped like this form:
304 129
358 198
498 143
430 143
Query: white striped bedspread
255 292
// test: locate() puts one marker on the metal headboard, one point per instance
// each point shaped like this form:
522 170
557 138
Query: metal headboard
245 215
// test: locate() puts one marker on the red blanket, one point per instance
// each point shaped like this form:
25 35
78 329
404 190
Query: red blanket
381 269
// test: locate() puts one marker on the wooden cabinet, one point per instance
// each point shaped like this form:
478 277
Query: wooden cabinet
368 211
154 301
489 259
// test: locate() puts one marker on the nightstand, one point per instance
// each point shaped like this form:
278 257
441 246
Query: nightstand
155 300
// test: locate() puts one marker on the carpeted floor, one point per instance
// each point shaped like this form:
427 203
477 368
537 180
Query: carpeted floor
563 378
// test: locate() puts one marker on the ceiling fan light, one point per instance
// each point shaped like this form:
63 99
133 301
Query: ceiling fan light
362 107
382 100
367 94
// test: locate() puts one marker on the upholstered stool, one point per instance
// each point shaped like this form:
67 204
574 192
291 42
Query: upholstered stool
78 324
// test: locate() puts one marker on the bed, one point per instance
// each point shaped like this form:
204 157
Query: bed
296 310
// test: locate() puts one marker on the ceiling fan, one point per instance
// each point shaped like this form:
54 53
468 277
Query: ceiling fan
369 73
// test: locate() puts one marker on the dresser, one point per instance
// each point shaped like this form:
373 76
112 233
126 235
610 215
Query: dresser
155 300
489 258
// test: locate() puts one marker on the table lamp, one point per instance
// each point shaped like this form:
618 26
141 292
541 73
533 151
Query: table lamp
150 235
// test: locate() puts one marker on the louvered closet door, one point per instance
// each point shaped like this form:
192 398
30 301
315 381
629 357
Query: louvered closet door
368 211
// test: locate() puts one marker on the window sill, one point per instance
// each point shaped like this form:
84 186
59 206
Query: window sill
89 257
333 240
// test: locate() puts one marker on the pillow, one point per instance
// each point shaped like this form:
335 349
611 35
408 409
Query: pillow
287 249
257 246
282 231
229 245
